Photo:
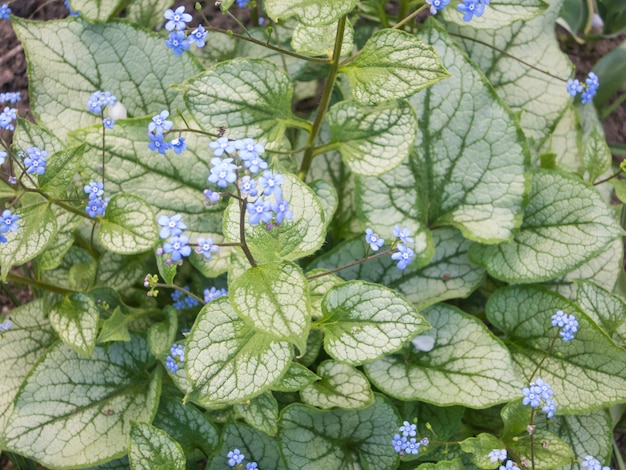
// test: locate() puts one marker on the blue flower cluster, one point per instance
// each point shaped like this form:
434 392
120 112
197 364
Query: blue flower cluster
469 8
72 12
99 100
8 223
235 457
96 206
35 161
404 255
5 12
7 116
6 325
497 455
242 165
176 358
587 90
156 130
374 241
508 465
242 3
176 24
10 97
211 294
182 301
593 464
537 394
567 323
407 443
177 244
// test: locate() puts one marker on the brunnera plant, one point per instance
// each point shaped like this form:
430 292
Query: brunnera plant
422 272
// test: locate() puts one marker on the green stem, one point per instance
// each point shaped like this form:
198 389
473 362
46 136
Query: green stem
354 263
403 9
608 178
382 15
609 109
552 343
618 456
325 148
40 284
180 289
325 100
8 292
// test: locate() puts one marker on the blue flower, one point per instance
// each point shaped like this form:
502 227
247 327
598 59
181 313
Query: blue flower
160 123
412 446
249 150
172 226
99 99
94 189
206 247
177 19
437 5
3 156
496 455
8 222
177 351
242 3
171 365
5 12
72 12
408 430
509 464
96 207
403 234
157 143
260 211
211 294
281 211
212 196
222 172
545 391
399 443
177 42
7 117
235 457
591 87
549 409
36 160
178 298
531 396
471 8
222 145
374 240
270 183
593 464
403 256
567 323
539 393
198 36
178 247
108 123
178 145
10 97
252 466
247 186
574 87
6 325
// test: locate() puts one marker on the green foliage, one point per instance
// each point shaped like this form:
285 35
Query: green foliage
454 139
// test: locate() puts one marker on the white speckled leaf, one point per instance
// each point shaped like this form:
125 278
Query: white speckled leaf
28 134
61 243
162 335
296 378
319 40
328 198
119 272
468 366
499 13
64 68
341 386
228 361
128 226
465 172
61 169
566 223
393 65
596 155
148 13
372 140
75 320
606 309
586 373
450 274
564 141
588 434
293 239
251 97
540 99
74 411
309 437
364 321
20 348
274 299
37 226
96 10
150 448
310 12
261 413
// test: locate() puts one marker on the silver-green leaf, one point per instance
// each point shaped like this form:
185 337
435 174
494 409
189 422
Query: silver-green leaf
75 320
310 12
150 448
